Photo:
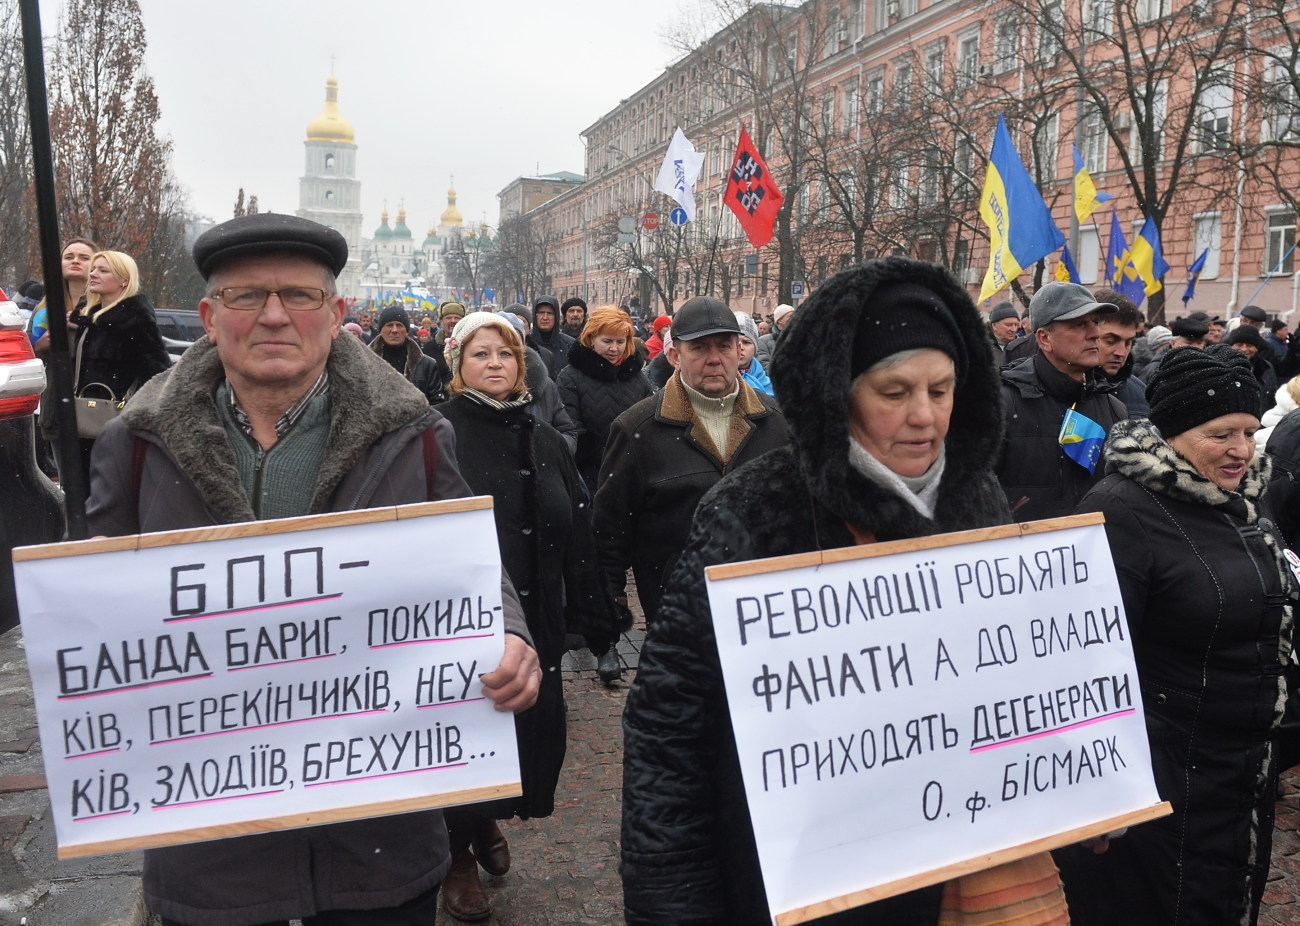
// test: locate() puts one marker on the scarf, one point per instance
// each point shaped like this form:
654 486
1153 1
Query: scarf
920 491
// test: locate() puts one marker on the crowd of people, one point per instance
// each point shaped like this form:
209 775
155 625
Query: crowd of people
884 407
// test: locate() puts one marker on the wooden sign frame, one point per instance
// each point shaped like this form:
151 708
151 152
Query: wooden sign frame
267 529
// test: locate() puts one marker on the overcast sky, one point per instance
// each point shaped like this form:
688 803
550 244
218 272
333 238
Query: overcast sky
485 90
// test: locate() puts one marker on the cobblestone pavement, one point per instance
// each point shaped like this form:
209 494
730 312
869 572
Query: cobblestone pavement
565 867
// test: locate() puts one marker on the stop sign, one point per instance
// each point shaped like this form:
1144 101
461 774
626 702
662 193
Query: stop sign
650 221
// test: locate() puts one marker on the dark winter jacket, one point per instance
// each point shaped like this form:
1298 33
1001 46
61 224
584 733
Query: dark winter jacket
659 370
544 530
659 463
1039 479
120 349
1130 390
689 855
1208 598
555 341
548 404
595 392
766 345
189 478
1019 349
1284 487
422 371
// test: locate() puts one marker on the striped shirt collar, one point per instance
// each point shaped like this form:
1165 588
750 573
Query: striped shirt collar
290 417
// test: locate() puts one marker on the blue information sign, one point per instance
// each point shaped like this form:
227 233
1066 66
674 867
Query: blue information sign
796 289
677 216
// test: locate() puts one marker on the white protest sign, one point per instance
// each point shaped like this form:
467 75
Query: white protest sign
221 681
908 712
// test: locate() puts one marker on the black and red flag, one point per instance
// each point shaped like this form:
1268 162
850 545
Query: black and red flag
752 193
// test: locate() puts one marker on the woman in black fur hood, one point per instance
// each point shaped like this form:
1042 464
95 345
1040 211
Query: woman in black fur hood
884 378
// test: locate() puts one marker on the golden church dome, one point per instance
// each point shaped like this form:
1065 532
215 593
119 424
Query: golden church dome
330 124
451 217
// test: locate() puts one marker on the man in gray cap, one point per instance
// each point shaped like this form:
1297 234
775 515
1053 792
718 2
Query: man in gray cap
273 415
1004 325
667 450
1040 480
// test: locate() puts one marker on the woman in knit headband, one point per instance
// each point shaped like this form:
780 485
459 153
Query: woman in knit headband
1208 596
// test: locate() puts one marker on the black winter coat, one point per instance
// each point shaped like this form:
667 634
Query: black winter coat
558 343
595 392
689 855
421 371
544 531
1284 488
1039 479
120 349
659 463
1208 601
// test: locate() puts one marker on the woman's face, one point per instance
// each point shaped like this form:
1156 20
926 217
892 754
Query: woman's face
899 413
489 365
610 348
747 348
103 281
76 262
1221 448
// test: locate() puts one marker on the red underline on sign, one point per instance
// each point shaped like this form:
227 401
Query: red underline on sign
282 662
425 707
142 685
414 771
87 755
1053 732
101 816
260 607
265 726
217 800
476 636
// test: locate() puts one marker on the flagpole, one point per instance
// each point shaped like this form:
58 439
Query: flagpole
1276 268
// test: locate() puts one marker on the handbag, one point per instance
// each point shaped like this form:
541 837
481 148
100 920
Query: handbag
94 412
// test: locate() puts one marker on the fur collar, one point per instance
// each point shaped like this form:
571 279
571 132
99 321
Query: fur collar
810 371
675 407
368 399
414 351
597 367
1136 450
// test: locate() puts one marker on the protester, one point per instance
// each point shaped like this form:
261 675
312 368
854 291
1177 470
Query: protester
767 342
1276 339
75 260
240 431
1150 349
355 328
655 343
659 370
1004 327
1247 340
603 379
1188 332
1040 479
574 311
894 409
1119 333
449 314
544 531
1208 597
1254 316
751 370
402 352
547 404
666 451
118 346
547 335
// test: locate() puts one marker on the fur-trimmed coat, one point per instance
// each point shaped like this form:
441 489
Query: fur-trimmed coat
659 463
422 371
1208 597
189 478
120 349
595 392
689 855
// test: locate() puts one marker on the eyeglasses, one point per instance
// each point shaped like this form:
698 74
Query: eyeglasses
251 299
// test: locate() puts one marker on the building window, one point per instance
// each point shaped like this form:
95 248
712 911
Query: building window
934 69
1089 254
329 195
1280 103
329 163
1093 132
1049 33
1207 236
875 94
1045 148
1214 118
968 63
1007 45
903 83
899 183
828 113
1147 10
930 175
965 163
1279 243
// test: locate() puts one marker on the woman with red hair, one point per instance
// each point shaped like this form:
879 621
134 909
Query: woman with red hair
603 380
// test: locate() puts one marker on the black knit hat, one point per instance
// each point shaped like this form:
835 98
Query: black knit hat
1246 334
571 302
394 313
1001 311
270 233
1193 386
904 316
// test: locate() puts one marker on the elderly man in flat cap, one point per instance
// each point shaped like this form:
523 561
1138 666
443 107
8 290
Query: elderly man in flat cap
272 392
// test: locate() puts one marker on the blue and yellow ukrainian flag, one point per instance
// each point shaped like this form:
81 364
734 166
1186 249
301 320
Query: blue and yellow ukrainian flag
1021 229
1066 271
1145 259
1086 197
1081 438
1194 274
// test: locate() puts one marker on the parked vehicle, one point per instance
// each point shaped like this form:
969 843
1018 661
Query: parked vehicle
32 505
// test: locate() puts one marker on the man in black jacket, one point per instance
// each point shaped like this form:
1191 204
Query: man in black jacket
667 450
405 355
1040 480
546 332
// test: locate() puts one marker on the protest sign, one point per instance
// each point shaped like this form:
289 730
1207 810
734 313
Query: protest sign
238 679
909 712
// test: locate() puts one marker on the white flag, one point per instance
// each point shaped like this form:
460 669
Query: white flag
681 168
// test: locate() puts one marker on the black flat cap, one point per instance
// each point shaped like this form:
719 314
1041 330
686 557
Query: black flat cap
702 316
1254 313
270 233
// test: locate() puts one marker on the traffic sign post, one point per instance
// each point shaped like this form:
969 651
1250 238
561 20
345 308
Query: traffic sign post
796 289
678 216
650 221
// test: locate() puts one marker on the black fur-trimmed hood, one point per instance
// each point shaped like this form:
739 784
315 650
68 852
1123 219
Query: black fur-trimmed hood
597 367
368 399
811 374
